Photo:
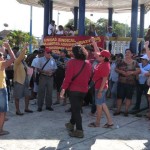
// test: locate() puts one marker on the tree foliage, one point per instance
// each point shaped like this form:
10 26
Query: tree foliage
101 25
87 23
18 38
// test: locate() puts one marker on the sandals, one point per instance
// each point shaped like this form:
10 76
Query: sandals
108 125
4 132
93 124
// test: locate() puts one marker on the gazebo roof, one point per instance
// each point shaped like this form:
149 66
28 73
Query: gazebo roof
102 6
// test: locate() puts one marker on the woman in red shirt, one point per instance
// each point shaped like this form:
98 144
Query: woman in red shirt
100 78
77 88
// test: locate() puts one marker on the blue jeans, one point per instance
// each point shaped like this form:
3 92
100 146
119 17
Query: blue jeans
3 100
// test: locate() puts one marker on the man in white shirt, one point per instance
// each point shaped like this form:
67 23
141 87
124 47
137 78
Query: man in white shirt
51 28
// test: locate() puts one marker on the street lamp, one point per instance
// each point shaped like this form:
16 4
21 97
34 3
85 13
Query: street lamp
58 18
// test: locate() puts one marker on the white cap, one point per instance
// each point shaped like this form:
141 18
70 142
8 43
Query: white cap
145 57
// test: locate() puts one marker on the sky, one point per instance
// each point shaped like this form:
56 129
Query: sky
17 16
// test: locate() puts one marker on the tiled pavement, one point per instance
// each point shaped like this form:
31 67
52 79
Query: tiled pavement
46 131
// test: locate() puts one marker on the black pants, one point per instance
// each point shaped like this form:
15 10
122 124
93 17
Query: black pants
76 99
93 107
140 90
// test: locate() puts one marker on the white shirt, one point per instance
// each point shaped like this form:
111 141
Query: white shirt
50 29
35 63
60 32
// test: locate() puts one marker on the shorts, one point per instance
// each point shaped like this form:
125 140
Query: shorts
125 91
3 100
102 100
21 90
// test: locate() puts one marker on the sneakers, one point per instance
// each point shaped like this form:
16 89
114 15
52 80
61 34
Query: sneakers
69 126
77 134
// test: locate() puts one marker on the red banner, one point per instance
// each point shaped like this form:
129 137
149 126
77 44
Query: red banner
55 43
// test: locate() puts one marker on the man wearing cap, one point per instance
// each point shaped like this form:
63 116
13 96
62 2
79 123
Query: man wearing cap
46 68
142 77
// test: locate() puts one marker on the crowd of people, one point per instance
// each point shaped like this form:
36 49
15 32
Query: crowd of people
60 31
83 78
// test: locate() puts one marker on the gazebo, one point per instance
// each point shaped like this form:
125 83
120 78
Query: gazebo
103 6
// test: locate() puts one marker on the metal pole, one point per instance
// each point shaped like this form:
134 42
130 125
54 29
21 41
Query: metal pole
58 19
30 46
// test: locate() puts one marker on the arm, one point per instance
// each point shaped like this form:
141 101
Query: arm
84 51
147 49
102 87
11 54
22 55
120 71
96 49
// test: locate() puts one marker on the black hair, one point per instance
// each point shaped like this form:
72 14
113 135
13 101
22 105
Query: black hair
52 21
70 27
35 52
106 59
1 54
16 48
78 53
120 55
42 46
128 50
89 48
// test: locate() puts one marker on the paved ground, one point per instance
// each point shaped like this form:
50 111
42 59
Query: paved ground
45 131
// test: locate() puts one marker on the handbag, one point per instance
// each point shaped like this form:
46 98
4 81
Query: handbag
92 84
37 77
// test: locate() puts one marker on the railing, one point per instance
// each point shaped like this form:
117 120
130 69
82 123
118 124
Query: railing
120 44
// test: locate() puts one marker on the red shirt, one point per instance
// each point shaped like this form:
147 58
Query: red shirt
80 83
101 70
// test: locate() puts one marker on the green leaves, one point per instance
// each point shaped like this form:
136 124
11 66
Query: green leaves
18 38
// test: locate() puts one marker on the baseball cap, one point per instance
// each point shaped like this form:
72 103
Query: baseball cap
105 53
145 57
48 50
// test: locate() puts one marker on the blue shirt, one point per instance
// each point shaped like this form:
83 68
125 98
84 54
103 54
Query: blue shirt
50 66
144 69
113 73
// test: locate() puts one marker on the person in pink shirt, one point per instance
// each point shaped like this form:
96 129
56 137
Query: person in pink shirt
100 79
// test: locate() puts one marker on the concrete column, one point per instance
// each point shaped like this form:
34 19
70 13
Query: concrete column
142 20
134 18
76 18
82 17
110 15
30 46
46 16
50 11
